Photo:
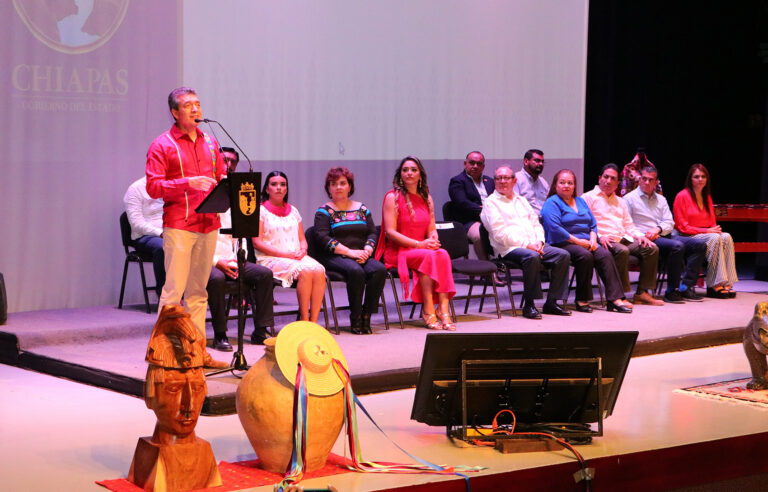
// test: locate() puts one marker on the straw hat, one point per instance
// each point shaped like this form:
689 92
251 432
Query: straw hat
312 345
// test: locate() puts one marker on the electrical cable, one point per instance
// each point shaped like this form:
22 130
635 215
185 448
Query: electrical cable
585 473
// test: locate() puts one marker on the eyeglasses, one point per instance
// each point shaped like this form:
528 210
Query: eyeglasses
504 178
537 160
476 163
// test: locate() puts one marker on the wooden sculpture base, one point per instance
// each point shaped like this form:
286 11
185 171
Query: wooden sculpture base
172 467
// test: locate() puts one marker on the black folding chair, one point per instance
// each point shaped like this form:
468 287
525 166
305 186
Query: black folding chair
331 276
133 256
453 238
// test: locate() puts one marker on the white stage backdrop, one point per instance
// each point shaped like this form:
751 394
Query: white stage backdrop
302 85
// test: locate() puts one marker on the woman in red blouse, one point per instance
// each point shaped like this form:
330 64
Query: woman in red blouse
695 216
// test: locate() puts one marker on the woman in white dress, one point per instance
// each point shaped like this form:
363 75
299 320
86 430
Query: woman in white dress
282 247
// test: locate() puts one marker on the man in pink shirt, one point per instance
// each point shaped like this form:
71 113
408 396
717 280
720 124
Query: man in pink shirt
621 237
183 164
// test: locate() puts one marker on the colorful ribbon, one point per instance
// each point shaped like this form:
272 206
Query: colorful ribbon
295 471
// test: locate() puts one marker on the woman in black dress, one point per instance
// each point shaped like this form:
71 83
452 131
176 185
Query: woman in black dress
346 238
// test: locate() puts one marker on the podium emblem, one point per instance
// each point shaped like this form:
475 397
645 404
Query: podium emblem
247 197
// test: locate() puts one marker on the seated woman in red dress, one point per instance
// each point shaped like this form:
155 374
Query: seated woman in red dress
409 242
694 216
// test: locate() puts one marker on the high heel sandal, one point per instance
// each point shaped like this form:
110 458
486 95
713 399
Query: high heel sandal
448 324
728 290
432 322
717 293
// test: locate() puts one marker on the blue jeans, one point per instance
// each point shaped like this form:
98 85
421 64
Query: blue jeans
684 256
153 245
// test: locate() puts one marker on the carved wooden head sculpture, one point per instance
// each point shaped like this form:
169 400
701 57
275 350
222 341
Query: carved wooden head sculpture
175 386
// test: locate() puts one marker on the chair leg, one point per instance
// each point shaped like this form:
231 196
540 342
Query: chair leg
325 314
600 290
495 295
397 301
469 295
144 285
329 289
661 277
384 310
122 285
453 310
511 296
485 292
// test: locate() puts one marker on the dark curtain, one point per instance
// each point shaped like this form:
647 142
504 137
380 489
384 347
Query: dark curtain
688 81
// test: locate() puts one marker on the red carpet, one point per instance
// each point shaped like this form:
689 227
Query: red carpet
242 475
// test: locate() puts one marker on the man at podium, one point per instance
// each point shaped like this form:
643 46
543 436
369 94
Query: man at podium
183 164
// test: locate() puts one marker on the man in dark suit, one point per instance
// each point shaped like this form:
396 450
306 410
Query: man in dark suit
468 190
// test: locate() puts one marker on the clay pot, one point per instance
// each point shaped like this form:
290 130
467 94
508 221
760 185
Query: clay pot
264 402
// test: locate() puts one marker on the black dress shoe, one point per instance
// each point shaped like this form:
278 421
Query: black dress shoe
716 294
583 308
530 312
366 319
674 297
554 308
690 294
257 338
222 344
619 309
356 325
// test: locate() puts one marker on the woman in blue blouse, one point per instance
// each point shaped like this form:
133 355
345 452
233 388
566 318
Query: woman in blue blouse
346 236
569 224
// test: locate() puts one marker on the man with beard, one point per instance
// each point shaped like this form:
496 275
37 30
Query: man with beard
468 190
530 185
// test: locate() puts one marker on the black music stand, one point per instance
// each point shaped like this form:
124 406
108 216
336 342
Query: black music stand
238 192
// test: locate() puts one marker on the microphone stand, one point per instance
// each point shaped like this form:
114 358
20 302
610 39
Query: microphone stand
238 358
209 121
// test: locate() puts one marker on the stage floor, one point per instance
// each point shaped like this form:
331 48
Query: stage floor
66 436
105 346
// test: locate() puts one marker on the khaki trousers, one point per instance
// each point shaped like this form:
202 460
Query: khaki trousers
188 260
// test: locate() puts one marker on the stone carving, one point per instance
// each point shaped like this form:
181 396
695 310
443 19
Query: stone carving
174 458
756 347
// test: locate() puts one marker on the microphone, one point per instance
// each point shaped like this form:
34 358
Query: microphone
209 121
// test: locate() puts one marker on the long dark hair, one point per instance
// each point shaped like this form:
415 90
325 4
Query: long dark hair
553 185
422 189
264 195
706 192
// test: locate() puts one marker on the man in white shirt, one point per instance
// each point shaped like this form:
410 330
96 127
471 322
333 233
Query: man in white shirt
145 214
516 235
684 255
530 185
258 280
621 237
